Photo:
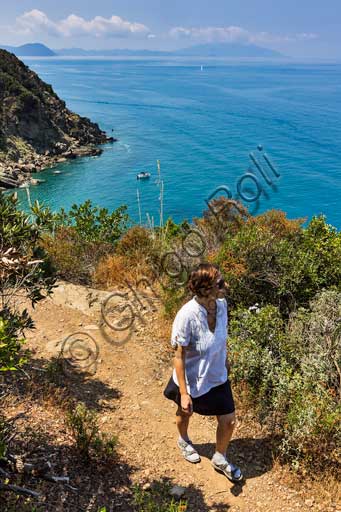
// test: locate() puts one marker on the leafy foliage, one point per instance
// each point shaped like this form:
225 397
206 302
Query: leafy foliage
10 347
157 499
4 434
273 260
91 223
25 272
292 373
78 239
84 427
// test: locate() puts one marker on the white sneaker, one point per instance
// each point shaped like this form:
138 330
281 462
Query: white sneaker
188 451
231 471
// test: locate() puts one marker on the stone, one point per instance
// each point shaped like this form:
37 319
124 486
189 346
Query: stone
86 300
177 491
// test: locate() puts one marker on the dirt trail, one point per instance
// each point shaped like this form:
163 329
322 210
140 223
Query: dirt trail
130 380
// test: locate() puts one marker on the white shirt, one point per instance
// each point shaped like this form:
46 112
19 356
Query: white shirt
206 352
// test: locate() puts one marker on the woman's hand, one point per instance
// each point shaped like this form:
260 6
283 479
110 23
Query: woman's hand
228 365
186 404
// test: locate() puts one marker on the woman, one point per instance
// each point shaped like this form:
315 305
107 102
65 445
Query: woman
199 382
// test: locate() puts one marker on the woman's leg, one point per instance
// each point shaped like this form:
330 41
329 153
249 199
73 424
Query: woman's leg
182 422
184 443
225 427
226 424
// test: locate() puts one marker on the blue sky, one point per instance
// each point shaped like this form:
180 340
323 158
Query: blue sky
300 28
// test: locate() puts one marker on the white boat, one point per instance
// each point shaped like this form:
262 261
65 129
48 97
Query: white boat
143 175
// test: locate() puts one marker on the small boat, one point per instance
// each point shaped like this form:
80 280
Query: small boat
57 172
143 175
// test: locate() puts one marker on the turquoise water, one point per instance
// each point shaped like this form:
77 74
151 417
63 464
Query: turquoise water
201 125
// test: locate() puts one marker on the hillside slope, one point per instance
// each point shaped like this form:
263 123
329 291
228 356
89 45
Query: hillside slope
36 128
126 389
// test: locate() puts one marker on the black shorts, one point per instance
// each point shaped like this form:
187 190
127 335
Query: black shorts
217 401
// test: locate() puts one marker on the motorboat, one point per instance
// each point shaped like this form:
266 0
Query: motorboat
143 175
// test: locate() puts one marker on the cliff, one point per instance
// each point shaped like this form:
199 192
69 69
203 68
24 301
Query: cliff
36 128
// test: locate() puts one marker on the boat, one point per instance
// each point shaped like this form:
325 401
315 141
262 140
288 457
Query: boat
57 172
143 175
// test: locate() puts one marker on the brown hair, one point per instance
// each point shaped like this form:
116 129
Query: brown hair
202 278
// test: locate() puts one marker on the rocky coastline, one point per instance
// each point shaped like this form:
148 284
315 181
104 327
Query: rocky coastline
21 172
37 130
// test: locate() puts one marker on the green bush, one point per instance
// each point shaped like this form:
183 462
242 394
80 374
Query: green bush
291 371
91 223
257 346
11 356
4 433
273 260
156 499
3 141
89 440
77 240
25 271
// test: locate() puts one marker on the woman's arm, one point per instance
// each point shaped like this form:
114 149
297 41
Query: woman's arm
227 361
179 365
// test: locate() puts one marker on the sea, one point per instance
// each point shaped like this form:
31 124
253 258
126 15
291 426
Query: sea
267 133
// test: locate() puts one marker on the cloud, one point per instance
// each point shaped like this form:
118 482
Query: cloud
37 22
307 36
234 34
211 33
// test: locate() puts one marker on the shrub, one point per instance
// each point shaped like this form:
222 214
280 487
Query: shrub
3 141
11 356
77 240
256 349
4 434
171 230
75 260
89 440
292 374
135 243
224 216
172 300
115 270
157 498
134 255
91 223
25 273
273 260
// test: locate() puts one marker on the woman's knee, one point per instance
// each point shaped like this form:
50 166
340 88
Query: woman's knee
227 420
184 415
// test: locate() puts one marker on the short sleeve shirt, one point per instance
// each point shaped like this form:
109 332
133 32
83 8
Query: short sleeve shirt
206 351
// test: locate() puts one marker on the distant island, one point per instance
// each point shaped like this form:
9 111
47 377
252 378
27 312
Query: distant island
218 50
30 50
36 128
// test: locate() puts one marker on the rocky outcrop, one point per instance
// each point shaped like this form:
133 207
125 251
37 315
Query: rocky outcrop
36 128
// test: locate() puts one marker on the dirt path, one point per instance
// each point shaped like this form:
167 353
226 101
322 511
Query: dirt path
130 380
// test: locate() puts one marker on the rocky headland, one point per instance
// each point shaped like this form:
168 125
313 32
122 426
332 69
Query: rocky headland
37 130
